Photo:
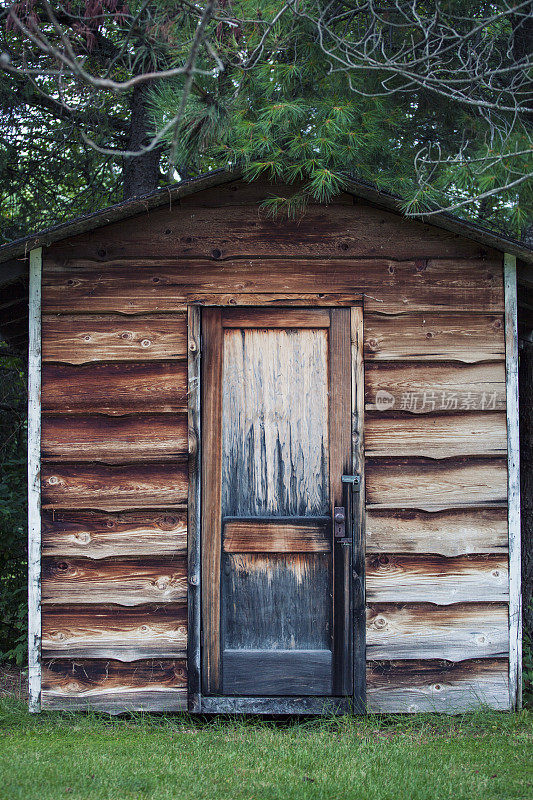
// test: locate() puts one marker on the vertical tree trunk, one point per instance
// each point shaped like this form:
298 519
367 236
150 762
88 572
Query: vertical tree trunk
140 173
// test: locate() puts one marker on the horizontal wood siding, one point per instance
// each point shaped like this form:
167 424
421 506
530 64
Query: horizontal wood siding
437 575
114 441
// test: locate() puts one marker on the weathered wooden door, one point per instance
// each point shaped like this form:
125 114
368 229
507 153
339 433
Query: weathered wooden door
276 441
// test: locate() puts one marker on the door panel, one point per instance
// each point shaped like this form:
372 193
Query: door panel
276 590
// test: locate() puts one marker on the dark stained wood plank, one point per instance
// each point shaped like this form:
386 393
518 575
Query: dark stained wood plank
115 439
358 498
123 634
239 231
437 686
449 533
275 318
392 578
92 534
115 388
211 527
113 686
436 436
277 535
428 388
276 601
194 517
244 193
128 582
114 487
275 423
435 337
341 463
423 483
277 672
79 339
162 284
423 630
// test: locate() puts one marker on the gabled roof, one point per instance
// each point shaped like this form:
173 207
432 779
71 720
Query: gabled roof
166 196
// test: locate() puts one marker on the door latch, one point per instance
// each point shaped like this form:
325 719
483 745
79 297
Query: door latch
353 480
339 521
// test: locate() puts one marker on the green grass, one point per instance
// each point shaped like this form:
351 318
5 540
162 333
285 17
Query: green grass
53 756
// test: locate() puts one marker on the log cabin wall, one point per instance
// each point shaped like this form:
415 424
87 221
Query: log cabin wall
114 441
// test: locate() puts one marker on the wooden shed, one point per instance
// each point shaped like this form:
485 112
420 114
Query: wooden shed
273 465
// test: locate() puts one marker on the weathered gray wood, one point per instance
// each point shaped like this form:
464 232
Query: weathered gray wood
277 672
277 535
437 686
436 435
34 482
119 701
276 600
122 634
435 337
426 388
454 532
275 416
436 579
128 582
423 483
513 483
277 705
194 511
424 630
93 534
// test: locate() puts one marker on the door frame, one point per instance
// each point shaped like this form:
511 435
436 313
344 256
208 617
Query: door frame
197 701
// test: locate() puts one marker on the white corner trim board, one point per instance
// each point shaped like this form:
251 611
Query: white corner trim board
34 482
513 483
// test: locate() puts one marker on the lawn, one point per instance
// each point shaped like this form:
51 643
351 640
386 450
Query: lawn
53 756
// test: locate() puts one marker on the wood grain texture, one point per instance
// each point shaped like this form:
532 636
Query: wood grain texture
194 536
278 318
277 535
156 283
244 193
128 582
123 634
276 601
79 339
115 388
432 388
91 534
241 231
115 439
434 337
422 483
113 686
422 630
272 673
453 532
513 488
275 417
359 516
436 579
34 488
437 686
211 528
436 436
114 488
